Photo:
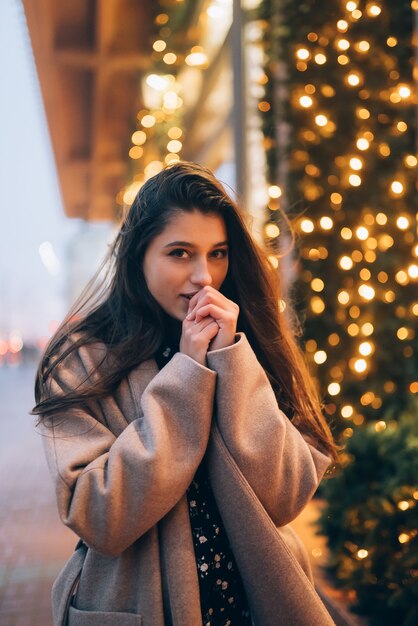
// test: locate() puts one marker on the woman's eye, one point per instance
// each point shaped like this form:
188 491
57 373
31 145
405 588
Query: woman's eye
220 254
178 252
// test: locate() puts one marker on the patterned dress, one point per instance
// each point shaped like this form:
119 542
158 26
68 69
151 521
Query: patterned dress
222 595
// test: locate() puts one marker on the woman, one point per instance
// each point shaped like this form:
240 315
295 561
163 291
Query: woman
181 428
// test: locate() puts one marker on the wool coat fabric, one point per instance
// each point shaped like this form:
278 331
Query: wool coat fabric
121 477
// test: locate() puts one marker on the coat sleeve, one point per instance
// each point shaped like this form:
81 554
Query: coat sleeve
112 489
283 469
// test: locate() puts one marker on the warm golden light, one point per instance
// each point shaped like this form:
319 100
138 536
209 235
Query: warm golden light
317 304
411 160
360 365
353 79
170 58
403 505
413 270
174 146
362 144
365 348
320 59
139 137
374 10
136 152
148 121
343 44
351 6
363 46
336 198
302 54
402 222
307 226
343 297
320 357
356 164
366 291
391 42
354 180
317 284
362 554
334 389
403 538
272 230
175 132
274 261
306 101
362 233
367 329
346 233
159 45
342 25
321 120
381 219
326 222
274 191
347 411
396 187
346 263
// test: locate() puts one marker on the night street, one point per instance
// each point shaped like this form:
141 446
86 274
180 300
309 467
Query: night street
33 542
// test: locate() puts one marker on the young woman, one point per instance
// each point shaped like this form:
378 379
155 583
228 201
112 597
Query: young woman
181 428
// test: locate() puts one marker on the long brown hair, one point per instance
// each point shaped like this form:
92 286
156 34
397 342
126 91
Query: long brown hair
120 312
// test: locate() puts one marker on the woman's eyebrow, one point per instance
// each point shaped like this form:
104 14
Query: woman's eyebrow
192 245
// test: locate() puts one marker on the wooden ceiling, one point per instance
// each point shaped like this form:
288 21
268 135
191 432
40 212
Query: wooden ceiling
90 56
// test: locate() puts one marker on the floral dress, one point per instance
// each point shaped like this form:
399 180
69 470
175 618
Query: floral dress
222 595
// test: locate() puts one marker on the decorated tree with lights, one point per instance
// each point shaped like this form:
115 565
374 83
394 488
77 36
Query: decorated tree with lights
342 117
339 117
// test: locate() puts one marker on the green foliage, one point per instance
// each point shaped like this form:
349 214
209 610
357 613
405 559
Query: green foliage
372 504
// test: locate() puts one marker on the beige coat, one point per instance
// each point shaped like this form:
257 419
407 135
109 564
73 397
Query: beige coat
122 475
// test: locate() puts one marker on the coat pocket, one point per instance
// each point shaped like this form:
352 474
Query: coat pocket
76 617
65 585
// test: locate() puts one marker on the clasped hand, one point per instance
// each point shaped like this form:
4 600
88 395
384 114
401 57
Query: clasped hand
211 323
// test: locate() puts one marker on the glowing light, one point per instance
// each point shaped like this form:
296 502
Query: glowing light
396 187
343 44
302 54
403 505
374 10
402 333
136 152
171 100
157 82
346 233
413 271
402 222
197 57
342 25
306 101
362 144
346 263
174 146
334 389
391 42
170 58
353 79
130 192
362 554
274 261
354 180
317 284
272 230
351 6
367 329
307 226
336 198
175 132
411 160
148 121
171 158
321 120
363 46
320 357
320 58
362 233
403 538
139 137
326 222
153 168
365 348
366 291
159 45
363 114
360 365
15 343
381 219
343 297
356 164
317 304
274 191
347 411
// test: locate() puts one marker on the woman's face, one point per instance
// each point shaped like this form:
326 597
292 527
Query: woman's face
191 252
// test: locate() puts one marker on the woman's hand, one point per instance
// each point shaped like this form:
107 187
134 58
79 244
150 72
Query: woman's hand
209 303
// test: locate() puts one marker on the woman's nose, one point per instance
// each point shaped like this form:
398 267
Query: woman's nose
201 274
